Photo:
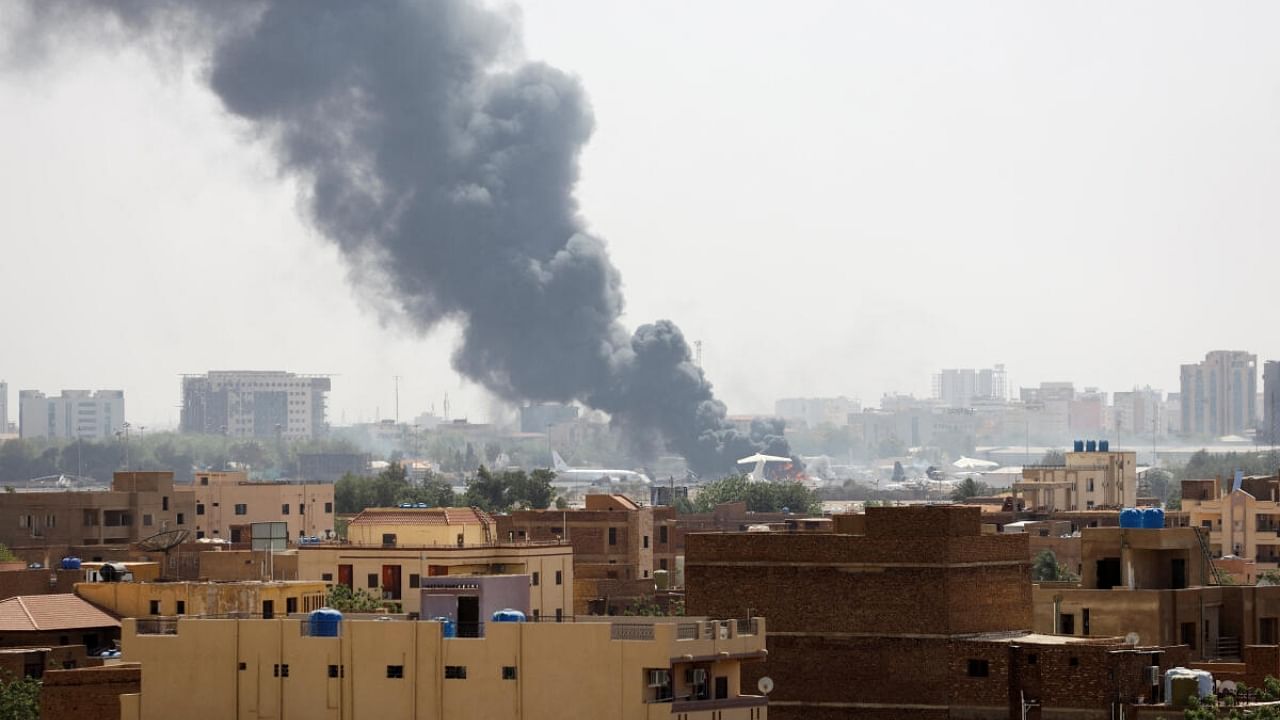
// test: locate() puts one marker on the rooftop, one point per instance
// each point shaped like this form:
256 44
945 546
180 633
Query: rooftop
65 611
421 516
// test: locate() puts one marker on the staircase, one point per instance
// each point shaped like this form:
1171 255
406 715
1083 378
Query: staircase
1203 536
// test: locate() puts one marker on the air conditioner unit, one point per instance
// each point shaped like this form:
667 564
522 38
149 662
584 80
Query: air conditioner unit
659 678
724 632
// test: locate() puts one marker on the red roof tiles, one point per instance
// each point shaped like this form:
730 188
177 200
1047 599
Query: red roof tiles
65 611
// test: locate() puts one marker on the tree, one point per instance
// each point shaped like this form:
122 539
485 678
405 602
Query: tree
759 496
6 555
486 491
19 697
345 599
899 473
532 490
1046 568
1155 482
969 488
1054 457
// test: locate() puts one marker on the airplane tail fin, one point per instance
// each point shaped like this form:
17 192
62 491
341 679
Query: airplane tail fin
558 462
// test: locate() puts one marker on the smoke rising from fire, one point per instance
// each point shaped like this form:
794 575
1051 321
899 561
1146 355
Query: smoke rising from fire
444 167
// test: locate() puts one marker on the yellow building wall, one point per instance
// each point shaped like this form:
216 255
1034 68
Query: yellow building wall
263 503
134 599
416 534
572 671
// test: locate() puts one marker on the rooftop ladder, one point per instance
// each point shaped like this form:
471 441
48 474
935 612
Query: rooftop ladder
1203 537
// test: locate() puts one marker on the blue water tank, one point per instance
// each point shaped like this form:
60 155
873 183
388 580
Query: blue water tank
1104 446
70 563
325 622
1131 518
1091 446
448 628
508 615
1153 518
1078 446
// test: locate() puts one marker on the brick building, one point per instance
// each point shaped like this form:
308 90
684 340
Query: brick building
913 612
92 692
227 503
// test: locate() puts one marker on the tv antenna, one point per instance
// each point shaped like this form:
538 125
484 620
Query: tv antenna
765 685
163 542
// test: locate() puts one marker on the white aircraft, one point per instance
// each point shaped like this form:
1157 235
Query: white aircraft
566 475
759 460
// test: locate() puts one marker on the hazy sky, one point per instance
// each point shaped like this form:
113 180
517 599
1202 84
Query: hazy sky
835 197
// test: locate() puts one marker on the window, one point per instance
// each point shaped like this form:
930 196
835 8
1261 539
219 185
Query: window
24 521
155 607
199 534
613 536
50 521
302 508
373 580
182 519
559 577
284 509
291 605
979 668
199 508
559 615
242 509
328 507
508 672
204 480
536 577
662 534
662 563
327 577
415 580
281 670
1084 621
1031 659
147 519
395 672
336 671
1090 488
646 541
455 672
164 503
389 539
182 607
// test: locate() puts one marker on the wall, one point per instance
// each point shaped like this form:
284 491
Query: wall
87 693
134 599
310 505
37 582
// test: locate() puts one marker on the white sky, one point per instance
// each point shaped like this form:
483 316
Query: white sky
836 197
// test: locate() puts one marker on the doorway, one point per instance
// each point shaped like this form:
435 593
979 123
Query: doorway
468 616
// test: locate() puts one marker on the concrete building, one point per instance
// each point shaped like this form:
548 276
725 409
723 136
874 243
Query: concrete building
167 599
1242 520
4 407
392 527
1141 412
1088 480
1155 583
614 543
1269 430
1219 395
332 467
226 503
960 388
815 412
640 669
138 505
251 403
73 414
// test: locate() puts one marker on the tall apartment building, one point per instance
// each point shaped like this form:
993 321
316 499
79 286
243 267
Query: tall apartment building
1219 395
73 414
1139 412
960 387
4 407
251 403
227 503
1269 432
1092 477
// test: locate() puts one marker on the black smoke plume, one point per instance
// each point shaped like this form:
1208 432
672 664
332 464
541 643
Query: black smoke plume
444 168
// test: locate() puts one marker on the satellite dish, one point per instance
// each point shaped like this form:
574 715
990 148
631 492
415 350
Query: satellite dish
163 541
765 685
1131 638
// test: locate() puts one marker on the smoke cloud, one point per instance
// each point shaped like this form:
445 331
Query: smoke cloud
444 166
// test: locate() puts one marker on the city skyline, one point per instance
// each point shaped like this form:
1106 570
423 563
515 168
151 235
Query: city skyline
945 254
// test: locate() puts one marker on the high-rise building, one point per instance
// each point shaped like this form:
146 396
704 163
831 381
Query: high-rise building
959 387
73 414
1219 395
1270 430
255 403
1140 412
4 407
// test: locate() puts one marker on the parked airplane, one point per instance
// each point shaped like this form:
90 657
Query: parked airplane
566 475
759 459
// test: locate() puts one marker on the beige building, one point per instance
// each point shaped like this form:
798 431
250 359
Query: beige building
1243 521
416 527
640 669
146 599
226 503
138 505
1087 480
395 573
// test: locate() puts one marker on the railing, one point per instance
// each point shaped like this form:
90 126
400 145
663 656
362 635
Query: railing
156 626
749 626
631 631
687 631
